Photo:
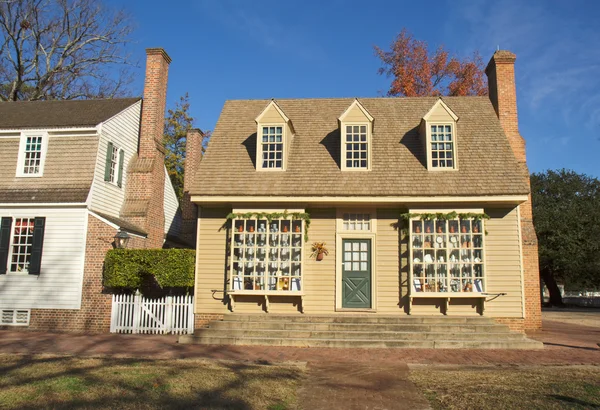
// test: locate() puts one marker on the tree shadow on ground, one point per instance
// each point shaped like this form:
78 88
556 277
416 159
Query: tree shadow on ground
31 382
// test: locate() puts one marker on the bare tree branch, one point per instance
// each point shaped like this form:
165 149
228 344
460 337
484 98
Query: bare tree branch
62 49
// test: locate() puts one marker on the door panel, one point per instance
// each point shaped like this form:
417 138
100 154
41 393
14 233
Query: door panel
356 273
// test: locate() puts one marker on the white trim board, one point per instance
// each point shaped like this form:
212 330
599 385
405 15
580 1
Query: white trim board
499 199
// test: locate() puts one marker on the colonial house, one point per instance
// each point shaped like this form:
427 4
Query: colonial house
422 205
73 174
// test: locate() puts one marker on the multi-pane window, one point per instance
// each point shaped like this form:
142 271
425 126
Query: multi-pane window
32 155
356 256
272 147
266 255
356 146
114 164
22 243
442 146
447 256
356 222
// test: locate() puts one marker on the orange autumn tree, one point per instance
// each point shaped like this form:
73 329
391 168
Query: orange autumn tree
416 72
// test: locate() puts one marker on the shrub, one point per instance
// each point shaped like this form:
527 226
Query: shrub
127 268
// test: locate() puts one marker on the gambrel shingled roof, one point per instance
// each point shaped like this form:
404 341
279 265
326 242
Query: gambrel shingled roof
70 160
487 165
53 114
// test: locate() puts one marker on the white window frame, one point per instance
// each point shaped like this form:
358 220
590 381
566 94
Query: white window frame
295 248
430 166
21 157
259 146
418 248
115 176
345 124
340 220
11 247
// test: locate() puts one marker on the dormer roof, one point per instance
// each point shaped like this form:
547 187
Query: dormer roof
440 104
355 105
273 105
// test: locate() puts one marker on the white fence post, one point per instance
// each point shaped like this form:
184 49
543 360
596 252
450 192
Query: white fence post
190 314
137 312
169 314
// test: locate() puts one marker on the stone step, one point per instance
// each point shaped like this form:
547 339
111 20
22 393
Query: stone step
359 319
357 334
370 327
362 343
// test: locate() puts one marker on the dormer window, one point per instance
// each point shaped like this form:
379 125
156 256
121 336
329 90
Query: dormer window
272 147
32 154
356 128
442 146
274 134
438 134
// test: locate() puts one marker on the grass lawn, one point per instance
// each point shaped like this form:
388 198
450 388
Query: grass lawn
510 388
106 383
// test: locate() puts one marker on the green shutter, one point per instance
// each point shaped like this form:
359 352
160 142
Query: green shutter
4 243
109 150
35 262
121 160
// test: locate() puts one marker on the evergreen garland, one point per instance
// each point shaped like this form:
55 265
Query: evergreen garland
440 216
270 216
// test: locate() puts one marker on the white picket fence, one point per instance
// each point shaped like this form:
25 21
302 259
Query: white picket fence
137 314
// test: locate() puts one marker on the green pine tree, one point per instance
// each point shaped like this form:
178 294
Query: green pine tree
177 123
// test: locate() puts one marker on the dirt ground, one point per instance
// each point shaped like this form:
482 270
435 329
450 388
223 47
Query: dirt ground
576 316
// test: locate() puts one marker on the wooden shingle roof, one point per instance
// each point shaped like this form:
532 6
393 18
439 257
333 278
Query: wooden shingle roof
487 165
51 114
70 160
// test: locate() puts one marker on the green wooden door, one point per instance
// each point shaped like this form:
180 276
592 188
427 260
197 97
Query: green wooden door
356 273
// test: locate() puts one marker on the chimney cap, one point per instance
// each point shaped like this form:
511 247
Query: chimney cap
159 51
501 57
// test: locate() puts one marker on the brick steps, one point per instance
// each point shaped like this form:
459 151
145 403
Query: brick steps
361 332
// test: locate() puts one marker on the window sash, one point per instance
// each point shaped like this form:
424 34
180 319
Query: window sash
356 146
266 256
272 147
360 222
447 256
442 146
21 245
114 165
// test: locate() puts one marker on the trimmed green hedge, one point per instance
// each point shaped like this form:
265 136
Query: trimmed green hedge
126 268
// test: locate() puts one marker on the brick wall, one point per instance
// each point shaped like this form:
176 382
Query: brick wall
144 198
503 94
189 210
203 319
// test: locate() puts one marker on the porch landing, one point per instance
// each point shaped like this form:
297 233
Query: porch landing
361 331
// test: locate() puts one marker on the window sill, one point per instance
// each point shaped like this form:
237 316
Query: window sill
267 292
447 295
30 175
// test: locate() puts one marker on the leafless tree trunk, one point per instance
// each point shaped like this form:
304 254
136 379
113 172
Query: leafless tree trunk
62 49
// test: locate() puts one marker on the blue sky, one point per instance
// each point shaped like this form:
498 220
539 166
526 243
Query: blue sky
226 49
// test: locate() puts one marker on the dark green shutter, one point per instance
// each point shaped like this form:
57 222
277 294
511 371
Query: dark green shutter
121 159
4 243
35 262
109 150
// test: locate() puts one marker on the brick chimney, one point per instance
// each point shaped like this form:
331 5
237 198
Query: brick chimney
189 210
503 95
144 199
